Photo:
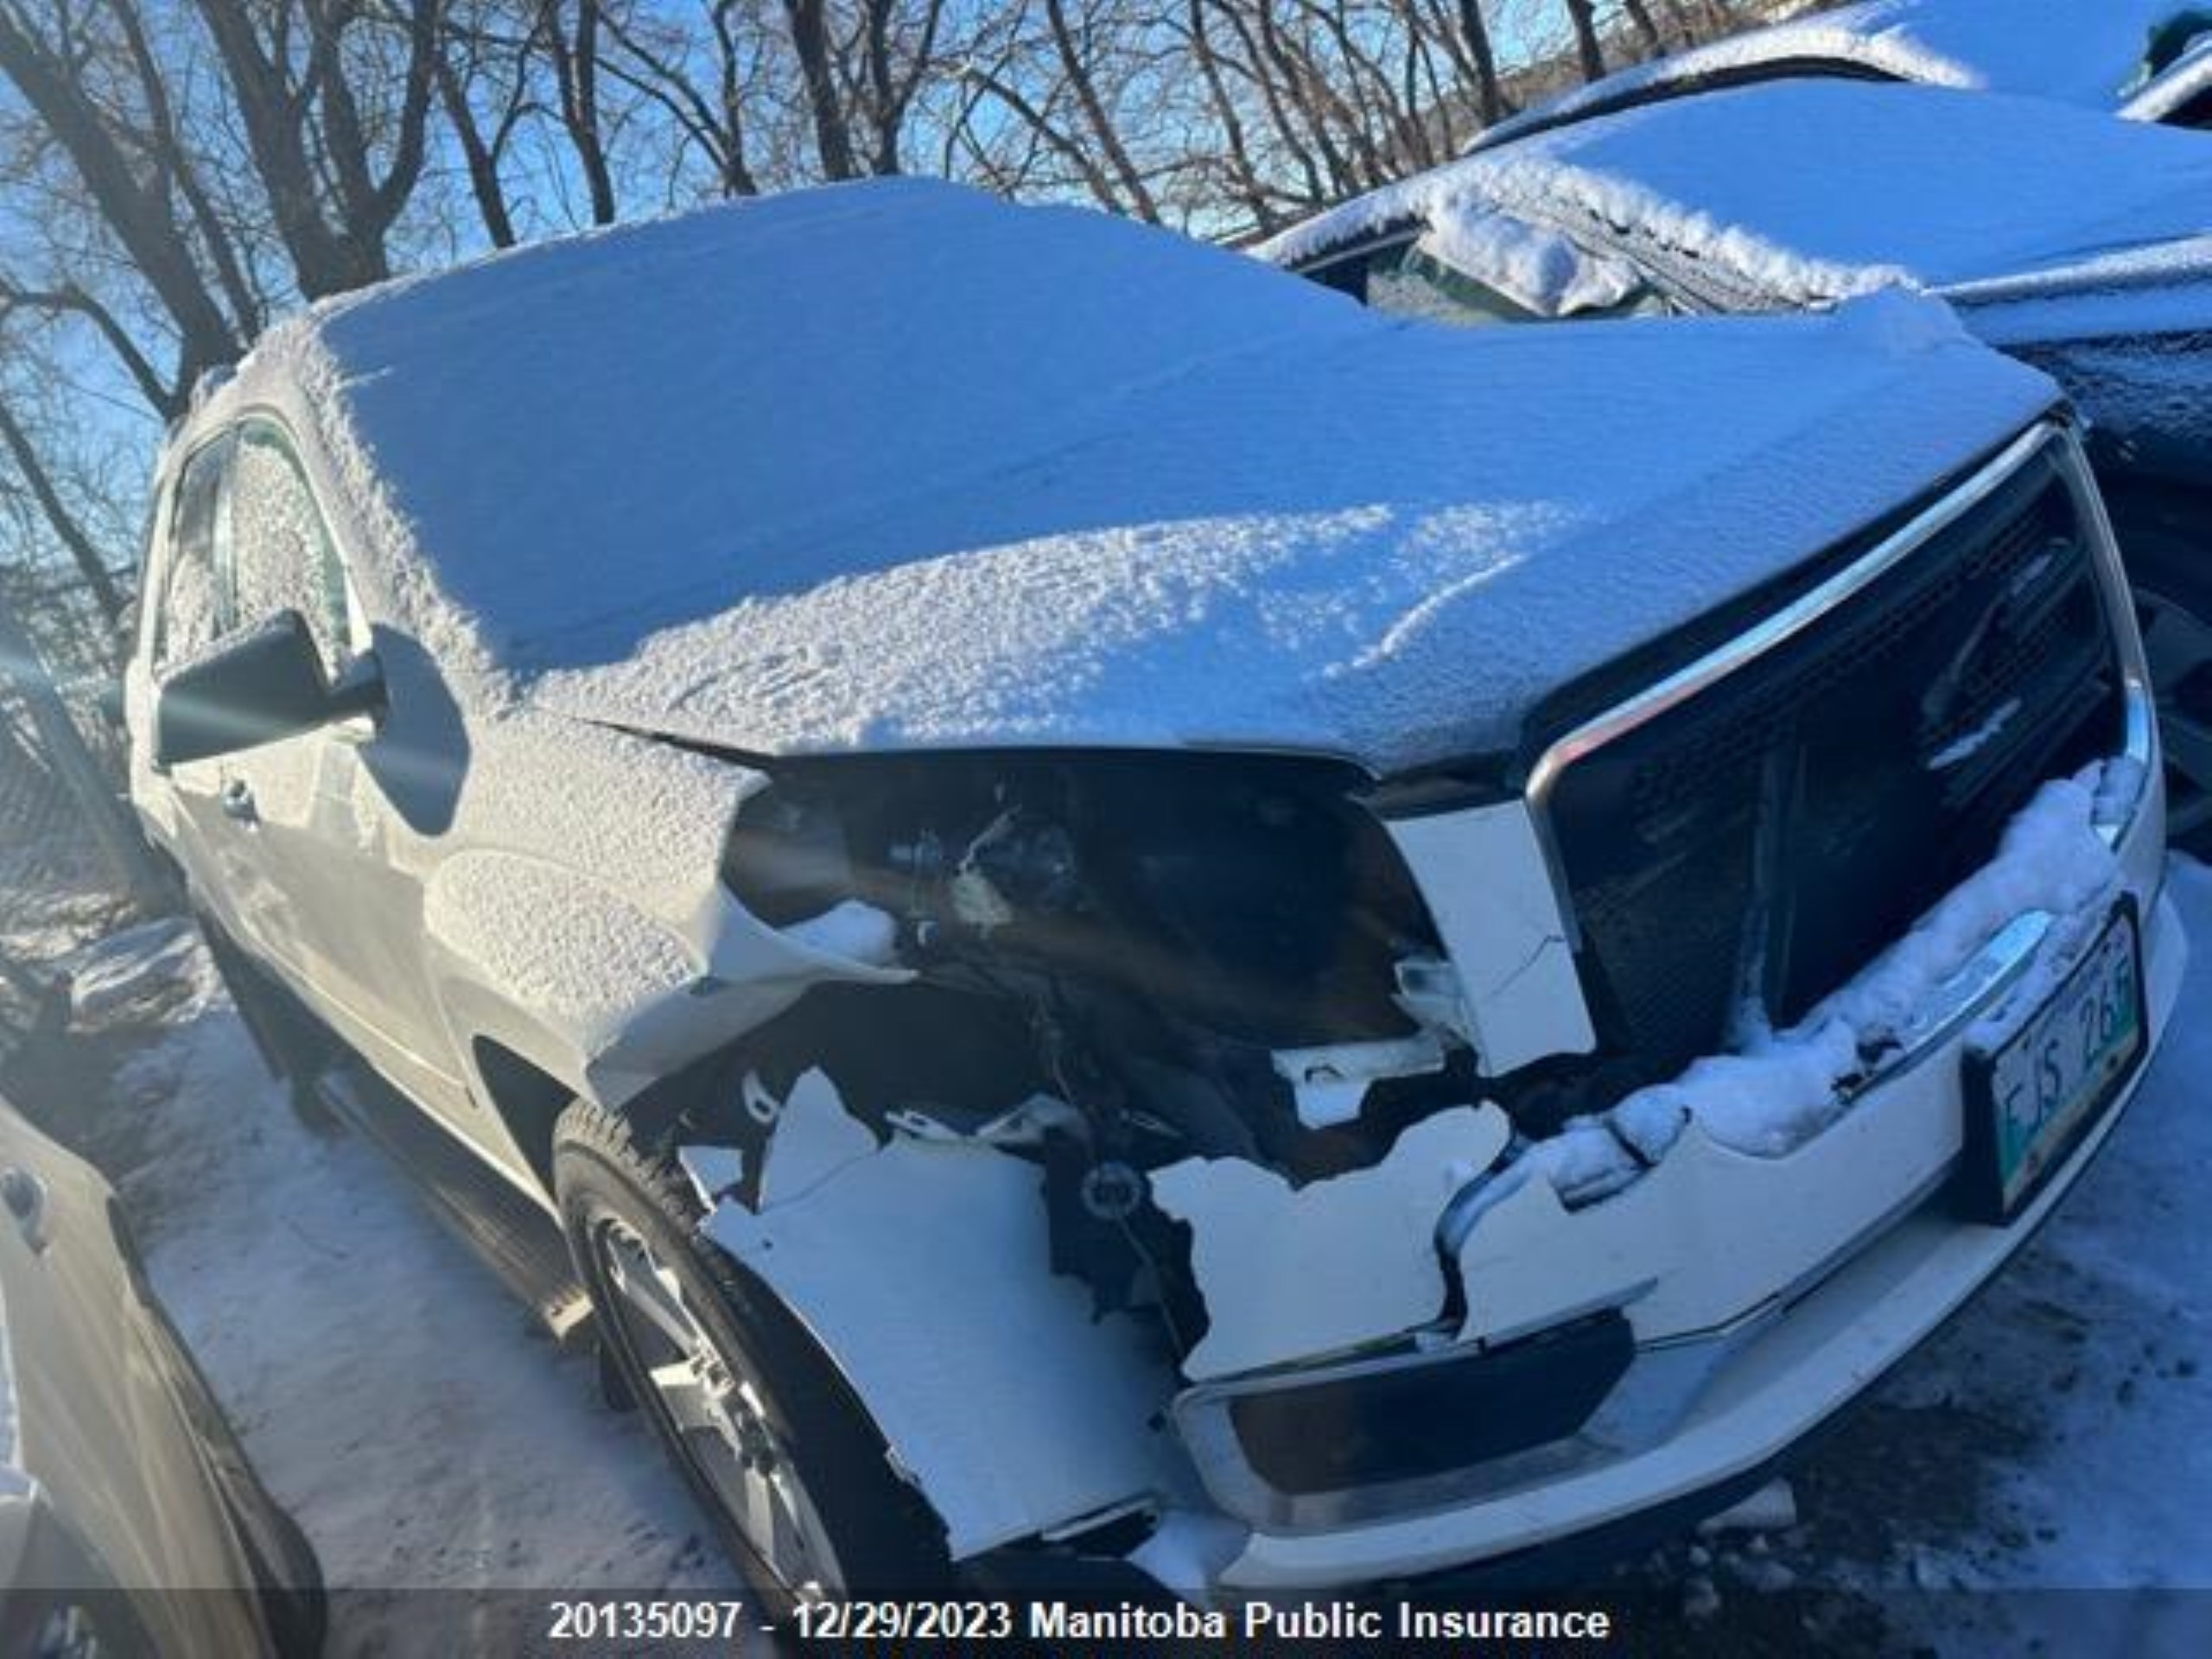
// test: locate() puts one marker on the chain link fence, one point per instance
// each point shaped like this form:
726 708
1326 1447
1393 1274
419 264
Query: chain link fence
60 885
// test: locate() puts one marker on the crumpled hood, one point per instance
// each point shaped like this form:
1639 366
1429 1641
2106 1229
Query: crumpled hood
1387 548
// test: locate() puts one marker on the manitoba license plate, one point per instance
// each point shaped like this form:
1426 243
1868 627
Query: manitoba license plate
2030 1101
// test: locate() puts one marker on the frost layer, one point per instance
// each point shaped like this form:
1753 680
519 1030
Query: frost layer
897 464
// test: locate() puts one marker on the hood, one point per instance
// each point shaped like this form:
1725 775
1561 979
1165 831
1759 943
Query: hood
1387 551
899 466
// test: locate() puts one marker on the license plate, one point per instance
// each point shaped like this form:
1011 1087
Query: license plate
2030 1100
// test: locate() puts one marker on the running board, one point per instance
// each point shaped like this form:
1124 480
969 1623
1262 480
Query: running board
518 1240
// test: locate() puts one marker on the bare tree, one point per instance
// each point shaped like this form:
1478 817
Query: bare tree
1075 45
1241 168
145 207
573 39
1582 15
475 63
32 469
811 40
299 70
1639 14
706 102
104 815
860 68
1489 92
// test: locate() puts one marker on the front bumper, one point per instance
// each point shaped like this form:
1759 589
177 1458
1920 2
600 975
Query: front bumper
1798 1286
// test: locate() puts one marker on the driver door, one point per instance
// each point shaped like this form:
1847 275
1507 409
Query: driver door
348 921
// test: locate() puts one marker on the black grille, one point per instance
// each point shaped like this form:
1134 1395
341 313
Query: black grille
1754 846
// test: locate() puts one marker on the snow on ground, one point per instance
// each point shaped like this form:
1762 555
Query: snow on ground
2055 1436
389 1390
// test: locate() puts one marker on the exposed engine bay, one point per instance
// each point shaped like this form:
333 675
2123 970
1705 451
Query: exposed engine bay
1185 950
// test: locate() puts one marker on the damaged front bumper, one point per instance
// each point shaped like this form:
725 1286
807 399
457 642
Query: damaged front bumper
1681 1333
1364 1305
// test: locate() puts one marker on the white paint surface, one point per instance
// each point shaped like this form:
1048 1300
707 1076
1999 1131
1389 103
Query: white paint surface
921 1269
1489 886
1290 1274
814 1137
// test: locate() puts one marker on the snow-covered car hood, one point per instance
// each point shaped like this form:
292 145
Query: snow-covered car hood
2085 52
1803 191
902 466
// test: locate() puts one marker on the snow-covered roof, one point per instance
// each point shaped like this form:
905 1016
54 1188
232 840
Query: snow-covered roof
1809 189
899 465
2086 52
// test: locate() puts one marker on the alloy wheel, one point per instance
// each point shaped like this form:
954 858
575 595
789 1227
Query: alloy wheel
716 1416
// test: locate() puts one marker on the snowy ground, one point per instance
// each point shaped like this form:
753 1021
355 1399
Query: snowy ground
391 1394
2054 1438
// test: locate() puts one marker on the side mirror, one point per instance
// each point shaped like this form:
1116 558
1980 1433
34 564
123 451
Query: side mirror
268 686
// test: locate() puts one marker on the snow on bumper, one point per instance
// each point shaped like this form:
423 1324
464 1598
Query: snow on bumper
1763 1292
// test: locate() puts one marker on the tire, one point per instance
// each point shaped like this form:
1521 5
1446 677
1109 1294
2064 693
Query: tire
775 1431
293 1602
2169 566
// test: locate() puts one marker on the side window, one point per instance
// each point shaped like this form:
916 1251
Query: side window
280 557
190 616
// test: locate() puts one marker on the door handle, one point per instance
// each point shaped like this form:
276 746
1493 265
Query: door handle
237 801
24 1196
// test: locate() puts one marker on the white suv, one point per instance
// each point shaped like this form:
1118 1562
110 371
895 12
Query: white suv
1127 913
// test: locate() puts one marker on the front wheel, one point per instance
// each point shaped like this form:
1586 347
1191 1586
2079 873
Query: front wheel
793 1474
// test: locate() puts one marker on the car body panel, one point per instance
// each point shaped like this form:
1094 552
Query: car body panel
1773 1382
110 1431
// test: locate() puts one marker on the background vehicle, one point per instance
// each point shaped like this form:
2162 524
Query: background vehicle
2143 60
130 1520
1024 853
2073 241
